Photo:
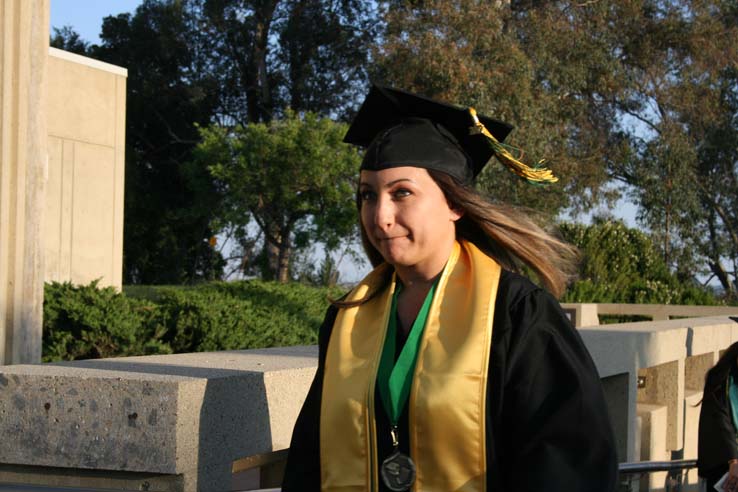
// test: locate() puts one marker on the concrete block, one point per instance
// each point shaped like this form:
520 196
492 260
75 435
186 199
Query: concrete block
695 369
581 314
73 479
654 423
664 385
692 400
184 414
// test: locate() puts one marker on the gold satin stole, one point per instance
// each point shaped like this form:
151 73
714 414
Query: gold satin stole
448 395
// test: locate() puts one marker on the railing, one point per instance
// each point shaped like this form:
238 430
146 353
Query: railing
273 464
674 479
587 314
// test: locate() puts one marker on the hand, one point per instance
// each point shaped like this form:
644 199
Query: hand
731 483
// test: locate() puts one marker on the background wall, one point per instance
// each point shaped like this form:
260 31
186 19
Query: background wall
84 202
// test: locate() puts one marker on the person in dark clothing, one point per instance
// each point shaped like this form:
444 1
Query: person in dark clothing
445 369
717 446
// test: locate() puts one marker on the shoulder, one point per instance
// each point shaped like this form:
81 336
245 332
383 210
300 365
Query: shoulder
528 318
520 301
514 288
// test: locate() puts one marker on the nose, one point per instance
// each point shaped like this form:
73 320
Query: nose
384 213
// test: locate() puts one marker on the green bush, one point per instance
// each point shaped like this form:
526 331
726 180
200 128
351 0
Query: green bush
621 265
89 322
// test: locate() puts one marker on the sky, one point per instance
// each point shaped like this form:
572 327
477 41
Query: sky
86 16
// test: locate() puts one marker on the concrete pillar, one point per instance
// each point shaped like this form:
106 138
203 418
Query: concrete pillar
24 47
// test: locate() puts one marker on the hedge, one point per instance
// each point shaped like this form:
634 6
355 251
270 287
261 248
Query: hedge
82 322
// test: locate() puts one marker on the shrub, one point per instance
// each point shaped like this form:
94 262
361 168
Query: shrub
621 265
88 322
83 322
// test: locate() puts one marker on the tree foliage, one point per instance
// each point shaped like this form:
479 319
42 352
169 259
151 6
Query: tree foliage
169 203
480 53
201 62
622 265
674 138
294 177
305 55
67 39
643 92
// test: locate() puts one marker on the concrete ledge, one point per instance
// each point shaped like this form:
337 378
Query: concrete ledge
42 476
629 348
192 415
584 314
188 414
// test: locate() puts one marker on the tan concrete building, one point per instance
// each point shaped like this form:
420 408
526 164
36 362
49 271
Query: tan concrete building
24 45
83 230
62 137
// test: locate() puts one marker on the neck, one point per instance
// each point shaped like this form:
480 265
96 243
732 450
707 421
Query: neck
423 275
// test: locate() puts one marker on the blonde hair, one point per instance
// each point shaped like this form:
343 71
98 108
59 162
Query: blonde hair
505 233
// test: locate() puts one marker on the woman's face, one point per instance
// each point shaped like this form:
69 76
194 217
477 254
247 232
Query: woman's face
407 218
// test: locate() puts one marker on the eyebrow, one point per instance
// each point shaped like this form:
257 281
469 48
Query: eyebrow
391 183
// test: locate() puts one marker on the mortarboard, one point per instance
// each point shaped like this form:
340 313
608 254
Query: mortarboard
399 128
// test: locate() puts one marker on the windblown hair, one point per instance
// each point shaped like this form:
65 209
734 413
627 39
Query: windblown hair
505 233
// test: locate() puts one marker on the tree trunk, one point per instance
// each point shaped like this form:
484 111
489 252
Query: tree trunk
722 275
258 92
283 271
285 254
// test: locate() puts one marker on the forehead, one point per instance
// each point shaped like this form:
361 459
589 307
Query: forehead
389 176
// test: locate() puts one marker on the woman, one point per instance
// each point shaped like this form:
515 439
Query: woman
717 450
443 370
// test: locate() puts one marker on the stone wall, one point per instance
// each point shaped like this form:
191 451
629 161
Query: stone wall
189 417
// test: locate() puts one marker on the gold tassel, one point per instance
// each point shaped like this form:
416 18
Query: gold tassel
537 174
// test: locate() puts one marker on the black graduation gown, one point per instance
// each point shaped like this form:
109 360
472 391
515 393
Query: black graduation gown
547 423
716 440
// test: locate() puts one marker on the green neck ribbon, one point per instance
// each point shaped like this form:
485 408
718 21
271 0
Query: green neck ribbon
395 378
732 391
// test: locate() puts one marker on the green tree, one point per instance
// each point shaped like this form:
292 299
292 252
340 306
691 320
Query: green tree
680 58
200 62
306 55
480 53
622 265
169 202
641 92
294 177
67 39
664 111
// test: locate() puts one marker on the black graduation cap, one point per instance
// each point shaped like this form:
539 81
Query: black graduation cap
400 128
404 129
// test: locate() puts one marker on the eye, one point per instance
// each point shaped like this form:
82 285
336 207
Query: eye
367 195
401 193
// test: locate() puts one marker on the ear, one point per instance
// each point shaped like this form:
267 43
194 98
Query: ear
455 213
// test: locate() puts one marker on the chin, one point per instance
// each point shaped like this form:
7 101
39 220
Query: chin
398 260
394 254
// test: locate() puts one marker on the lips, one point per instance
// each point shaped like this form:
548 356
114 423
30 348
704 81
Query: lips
390 238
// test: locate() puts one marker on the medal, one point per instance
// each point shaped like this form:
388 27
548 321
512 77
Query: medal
398 471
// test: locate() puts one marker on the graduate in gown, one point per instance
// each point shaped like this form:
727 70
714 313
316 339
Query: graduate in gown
444 369
717 443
